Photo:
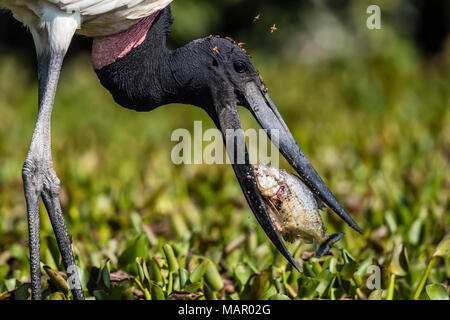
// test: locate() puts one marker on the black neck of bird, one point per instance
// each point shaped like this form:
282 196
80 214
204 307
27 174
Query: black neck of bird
151 75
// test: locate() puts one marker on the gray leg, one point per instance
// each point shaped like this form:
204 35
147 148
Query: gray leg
50 195
32 199
40 179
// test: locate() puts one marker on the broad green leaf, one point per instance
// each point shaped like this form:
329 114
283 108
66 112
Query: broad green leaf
415 232
279 297
307 287
376 295
198 272
171 259
156 292
242 274
348 270
325 279
156 272
212 276
194 287
443 248
437 291
184 277
55 296
138 248
101 295
271 291
105 276
10 284
256 285
399 264
209 293
23 292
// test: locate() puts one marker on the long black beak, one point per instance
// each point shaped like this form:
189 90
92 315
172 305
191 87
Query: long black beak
227 119
265 111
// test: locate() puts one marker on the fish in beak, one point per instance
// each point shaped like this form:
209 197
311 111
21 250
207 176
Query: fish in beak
267 115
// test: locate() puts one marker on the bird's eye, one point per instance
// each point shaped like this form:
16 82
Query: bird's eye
240 67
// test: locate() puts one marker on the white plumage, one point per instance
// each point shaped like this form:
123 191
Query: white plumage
96 18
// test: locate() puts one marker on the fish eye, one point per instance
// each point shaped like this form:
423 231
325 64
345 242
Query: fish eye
239 67
267 182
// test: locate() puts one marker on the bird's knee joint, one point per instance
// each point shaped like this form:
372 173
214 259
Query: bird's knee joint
52 184
30 174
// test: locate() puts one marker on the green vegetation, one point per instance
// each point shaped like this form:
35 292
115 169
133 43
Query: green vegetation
375 122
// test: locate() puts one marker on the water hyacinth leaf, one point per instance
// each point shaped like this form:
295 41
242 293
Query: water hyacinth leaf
156 272
256 286
307 287
363 267
424 278
357 279
270 292
147 294
347 256
209 293
242 274
252 266
22 292
169 287
443 248
101 295
215 254
156 292
140 270
121 291
138 248
399 264
212 276
332 265
4 270
55 296
308 269
415 232
316 266
325 280
194 287
437 291
171 259
145 269
279 296
390 222
179 226
376 295
10 284
198 272
184 277
348 270
176 282
105 276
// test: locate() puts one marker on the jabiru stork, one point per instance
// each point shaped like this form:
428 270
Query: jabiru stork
130 57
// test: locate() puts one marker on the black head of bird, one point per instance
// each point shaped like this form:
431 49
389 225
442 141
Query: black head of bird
216 75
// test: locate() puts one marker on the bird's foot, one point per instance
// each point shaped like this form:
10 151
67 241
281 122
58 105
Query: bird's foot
40 179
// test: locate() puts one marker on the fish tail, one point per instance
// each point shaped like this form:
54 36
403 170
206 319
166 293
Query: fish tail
326 246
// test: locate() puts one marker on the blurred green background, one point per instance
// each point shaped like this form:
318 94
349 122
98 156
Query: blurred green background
370 109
